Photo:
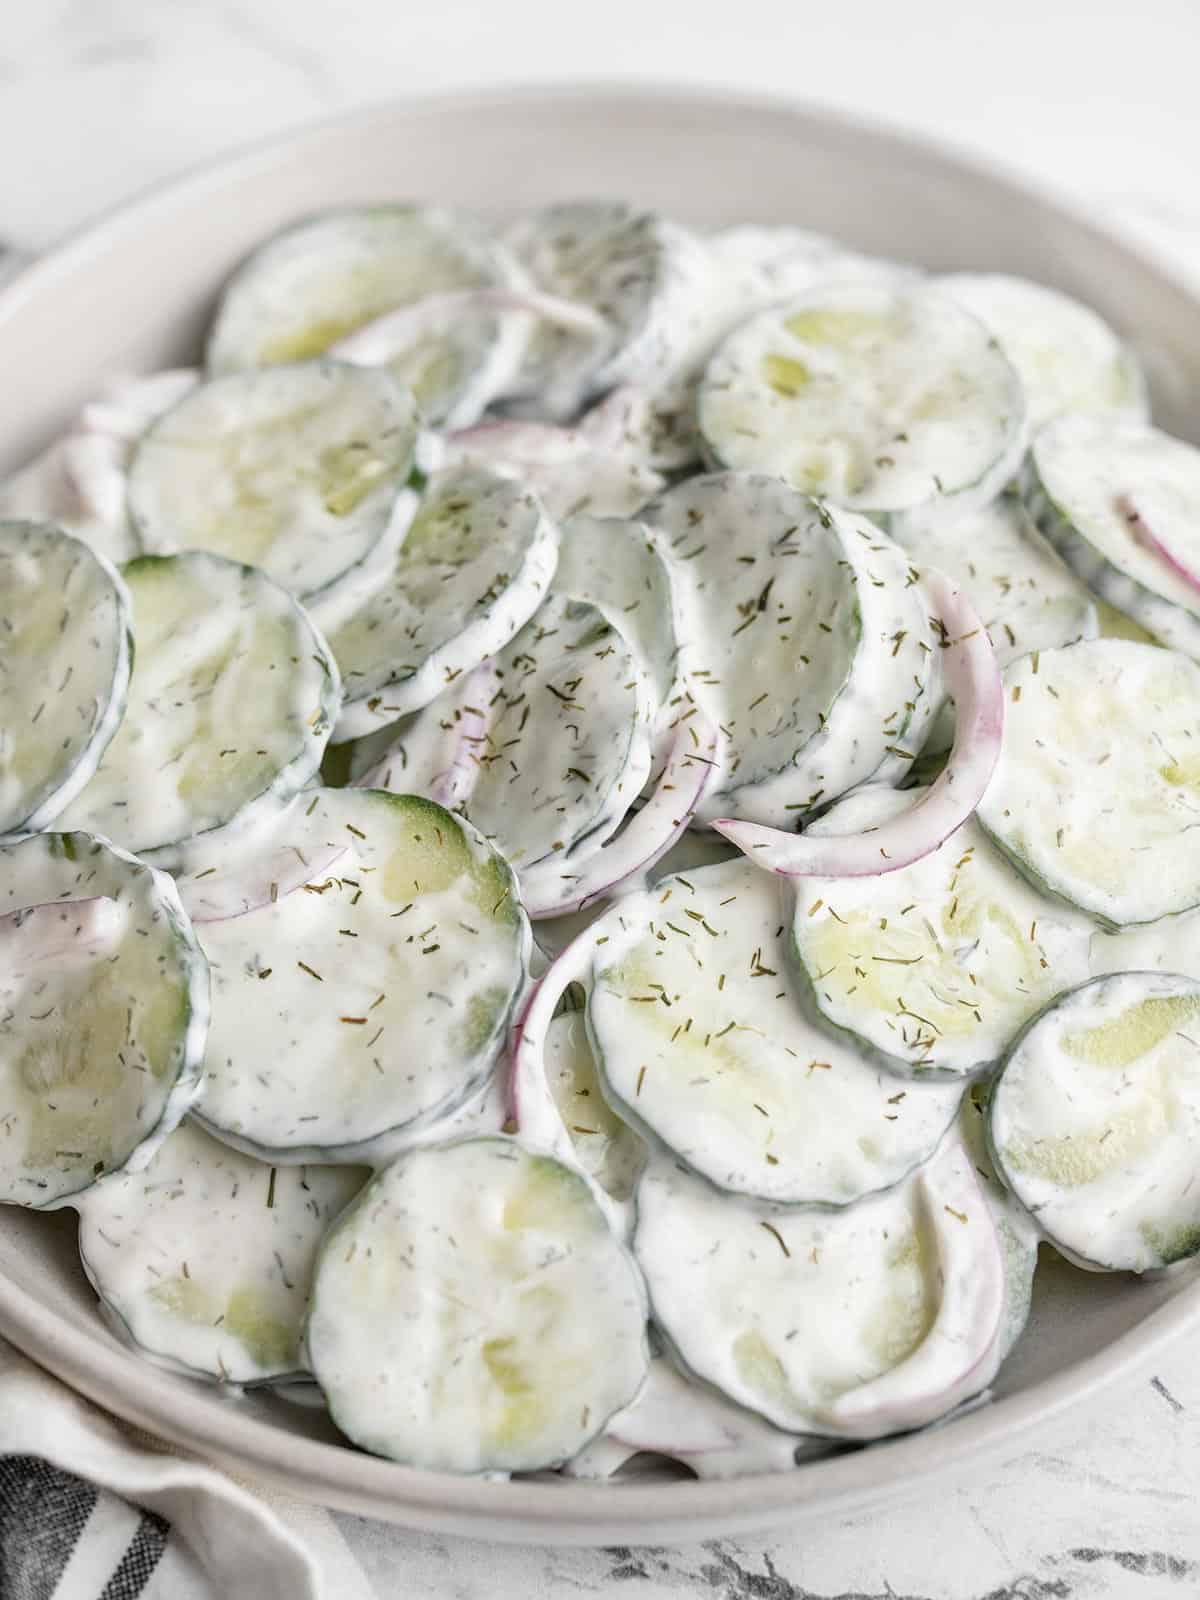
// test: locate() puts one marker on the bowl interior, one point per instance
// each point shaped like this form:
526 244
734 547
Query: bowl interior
135 292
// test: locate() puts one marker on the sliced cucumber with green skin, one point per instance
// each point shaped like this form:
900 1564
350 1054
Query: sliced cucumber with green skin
204 1260
935 968
566 748
101 1043
1094 1119
323 278
295 469
78 482
807 640
1097 791
1018 1233
473 1312
1026 596
474 566
879 398
362 1006
231 702
1095 487
642 273
702 1045
1068 358
65 649
856 1324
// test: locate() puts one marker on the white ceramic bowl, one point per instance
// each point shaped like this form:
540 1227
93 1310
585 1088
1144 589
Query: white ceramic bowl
134 293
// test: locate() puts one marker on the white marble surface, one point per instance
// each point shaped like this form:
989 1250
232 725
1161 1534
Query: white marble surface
100 97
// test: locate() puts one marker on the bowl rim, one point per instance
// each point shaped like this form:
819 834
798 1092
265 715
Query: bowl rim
565 1511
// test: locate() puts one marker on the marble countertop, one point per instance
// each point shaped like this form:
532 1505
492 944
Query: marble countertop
100 97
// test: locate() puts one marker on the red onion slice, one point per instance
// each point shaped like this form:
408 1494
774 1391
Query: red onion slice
47 932
1149 519
556 886
387 336
219 893
531 1103
972 677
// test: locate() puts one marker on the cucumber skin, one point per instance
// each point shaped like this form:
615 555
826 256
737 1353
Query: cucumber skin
1170 624
296 774
392 1142
1085 1263
189 1081
366 1196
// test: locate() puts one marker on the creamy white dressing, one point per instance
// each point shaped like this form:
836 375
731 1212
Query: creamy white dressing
1026 597
365 1004
65 659
879 397
937 966
78 482
1097 791
295 469
473 567
1089 474
473 1312
1094 1122
702 1043
318 282
805 638
1067 357
205 1257
855 1323
102 1038
230 704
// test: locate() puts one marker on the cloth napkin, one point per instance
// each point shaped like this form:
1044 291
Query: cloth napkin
93 1510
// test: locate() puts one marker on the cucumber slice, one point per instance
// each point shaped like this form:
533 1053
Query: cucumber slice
1067 357
473 1312
1026 596
473 568
702 1045
1094 795
65 645
230 706
566 748
366 1004
295 469
935 968
641 272
1094 1119
807 642
323 278
1094 485
778 262
857 1324
102 1041
879 397
1017 1231
78 482
204 1261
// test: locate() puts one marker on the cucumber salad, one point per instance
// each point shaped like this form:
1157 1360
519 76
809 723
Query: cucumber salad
600 836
